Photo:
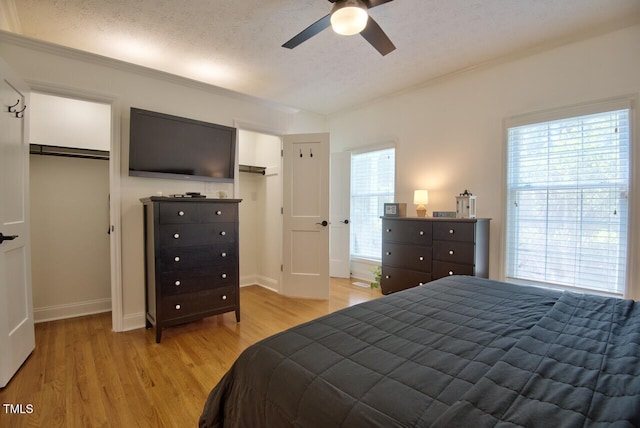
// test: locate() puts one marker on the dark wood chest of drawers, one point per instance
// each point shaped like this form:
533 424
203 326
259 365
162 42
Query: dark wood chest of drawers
418 250
191 259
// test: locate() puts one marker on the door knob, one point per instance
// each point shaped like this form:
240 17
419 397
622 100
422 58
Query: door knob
345 221
324 223
7 238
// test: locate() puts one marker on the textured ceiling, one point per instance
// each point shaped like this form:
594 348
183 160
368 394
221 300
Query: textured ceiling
236 44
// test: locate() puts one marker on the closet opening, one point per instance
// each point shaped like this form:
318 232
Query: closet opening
70 142
260 188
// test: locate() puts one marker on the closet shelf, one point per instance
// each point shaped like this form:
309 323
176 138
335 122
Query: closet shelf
253 169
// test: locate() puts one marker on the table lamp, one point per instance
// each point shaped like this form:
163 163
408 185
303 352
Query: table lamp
421 198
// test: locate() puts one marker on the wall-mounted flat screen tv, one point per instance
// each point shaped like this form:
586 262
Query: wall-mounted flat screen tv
165 146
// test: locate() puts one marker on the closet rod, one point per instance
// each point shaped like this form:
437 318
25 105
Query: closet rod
39 149
253 169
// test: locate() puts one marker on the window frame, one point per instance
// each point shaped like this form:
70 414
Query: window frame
618 103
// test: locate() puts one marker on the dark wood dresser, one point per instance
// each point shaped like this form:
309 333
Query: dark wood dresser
418 250
191 259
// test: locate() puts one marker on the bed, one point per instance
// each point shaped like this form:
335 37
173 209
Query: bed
456 352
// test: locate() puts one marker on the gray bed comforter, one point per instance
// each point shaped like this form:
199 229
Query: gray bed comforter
457 352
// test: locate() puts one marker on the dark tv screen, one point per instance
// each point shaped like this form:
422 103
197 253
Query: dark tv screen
165 146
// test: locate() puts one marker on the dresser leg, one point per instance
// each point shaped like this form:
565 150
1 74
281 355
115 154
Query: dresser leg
158 334
238 316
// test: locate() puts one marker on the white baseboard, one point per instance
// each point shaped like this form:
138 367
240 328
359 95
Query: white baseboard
262 281
133 321
71 310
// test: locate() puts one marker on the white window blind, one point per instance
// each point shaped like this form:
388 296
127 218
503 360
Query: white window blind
372 184
567 215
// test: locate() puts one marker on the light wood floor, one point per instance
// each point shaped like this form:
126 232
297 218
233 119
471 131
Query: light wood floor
82 374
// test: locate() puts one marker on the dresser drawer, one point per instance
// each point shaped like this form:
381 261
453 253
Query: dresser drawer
178 282
396 279
413 257
452 251
454 231
406 231
181 235
199 259
218 212
184 305
178 212
442 269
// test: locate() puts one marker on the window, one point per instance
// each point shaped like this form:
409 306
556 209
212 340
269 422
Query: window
567 208
372 184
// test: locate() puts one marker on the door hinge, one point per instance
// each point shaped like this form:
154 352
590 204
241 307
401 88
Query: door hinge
281 153
282 210
281 268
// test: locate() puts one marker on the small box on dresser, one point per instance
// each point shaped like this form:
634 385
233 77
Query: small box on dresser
418 250
191 260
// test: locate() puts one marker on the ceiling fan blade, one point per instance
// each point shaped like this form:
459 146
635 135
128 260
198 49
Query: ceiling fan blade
378 39
374 3
309 32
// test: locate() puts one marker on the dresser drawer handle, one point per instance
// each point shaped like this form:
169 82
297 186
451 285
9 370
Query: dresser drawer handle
421 258
388 230
387 276
224 275
177 283
421 233
451 252
450 272
218 212
451 231
223 233
223 254
180 213
176 258
176 235
178 307
224 297
388 253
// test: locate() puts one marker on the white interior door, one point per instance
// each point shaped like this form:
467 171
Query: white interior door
339 262
17 336
305 264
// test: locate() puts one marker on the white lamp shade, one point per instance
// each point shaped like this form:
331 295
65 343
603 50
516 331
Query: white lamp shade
421 197
349 19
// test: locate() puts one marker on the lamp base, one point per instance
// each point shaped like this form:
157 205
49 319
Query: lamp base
421 211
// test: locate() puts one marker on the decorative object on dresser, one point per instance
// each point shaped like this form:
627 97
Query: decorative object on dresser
191 259
395 210
418 250
447 214
421 198
466 205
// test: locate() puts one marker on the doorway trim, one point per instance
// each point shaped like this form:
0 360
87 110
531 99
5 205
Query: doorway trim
117 319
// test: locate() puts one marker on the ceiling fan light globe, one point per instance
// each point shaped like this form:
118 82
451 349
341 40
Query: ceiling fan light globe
349 20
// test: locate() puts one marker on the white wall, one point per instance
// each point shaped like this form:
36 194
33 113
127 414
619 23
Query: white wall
66 122
450 133
67 70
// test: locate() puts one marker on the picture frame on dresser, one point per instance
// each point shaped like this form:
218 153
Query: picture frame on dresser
391 210
395 209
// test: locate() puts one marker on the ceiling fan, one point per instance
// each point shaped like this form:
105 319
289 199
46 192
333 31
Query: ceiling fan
349 17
